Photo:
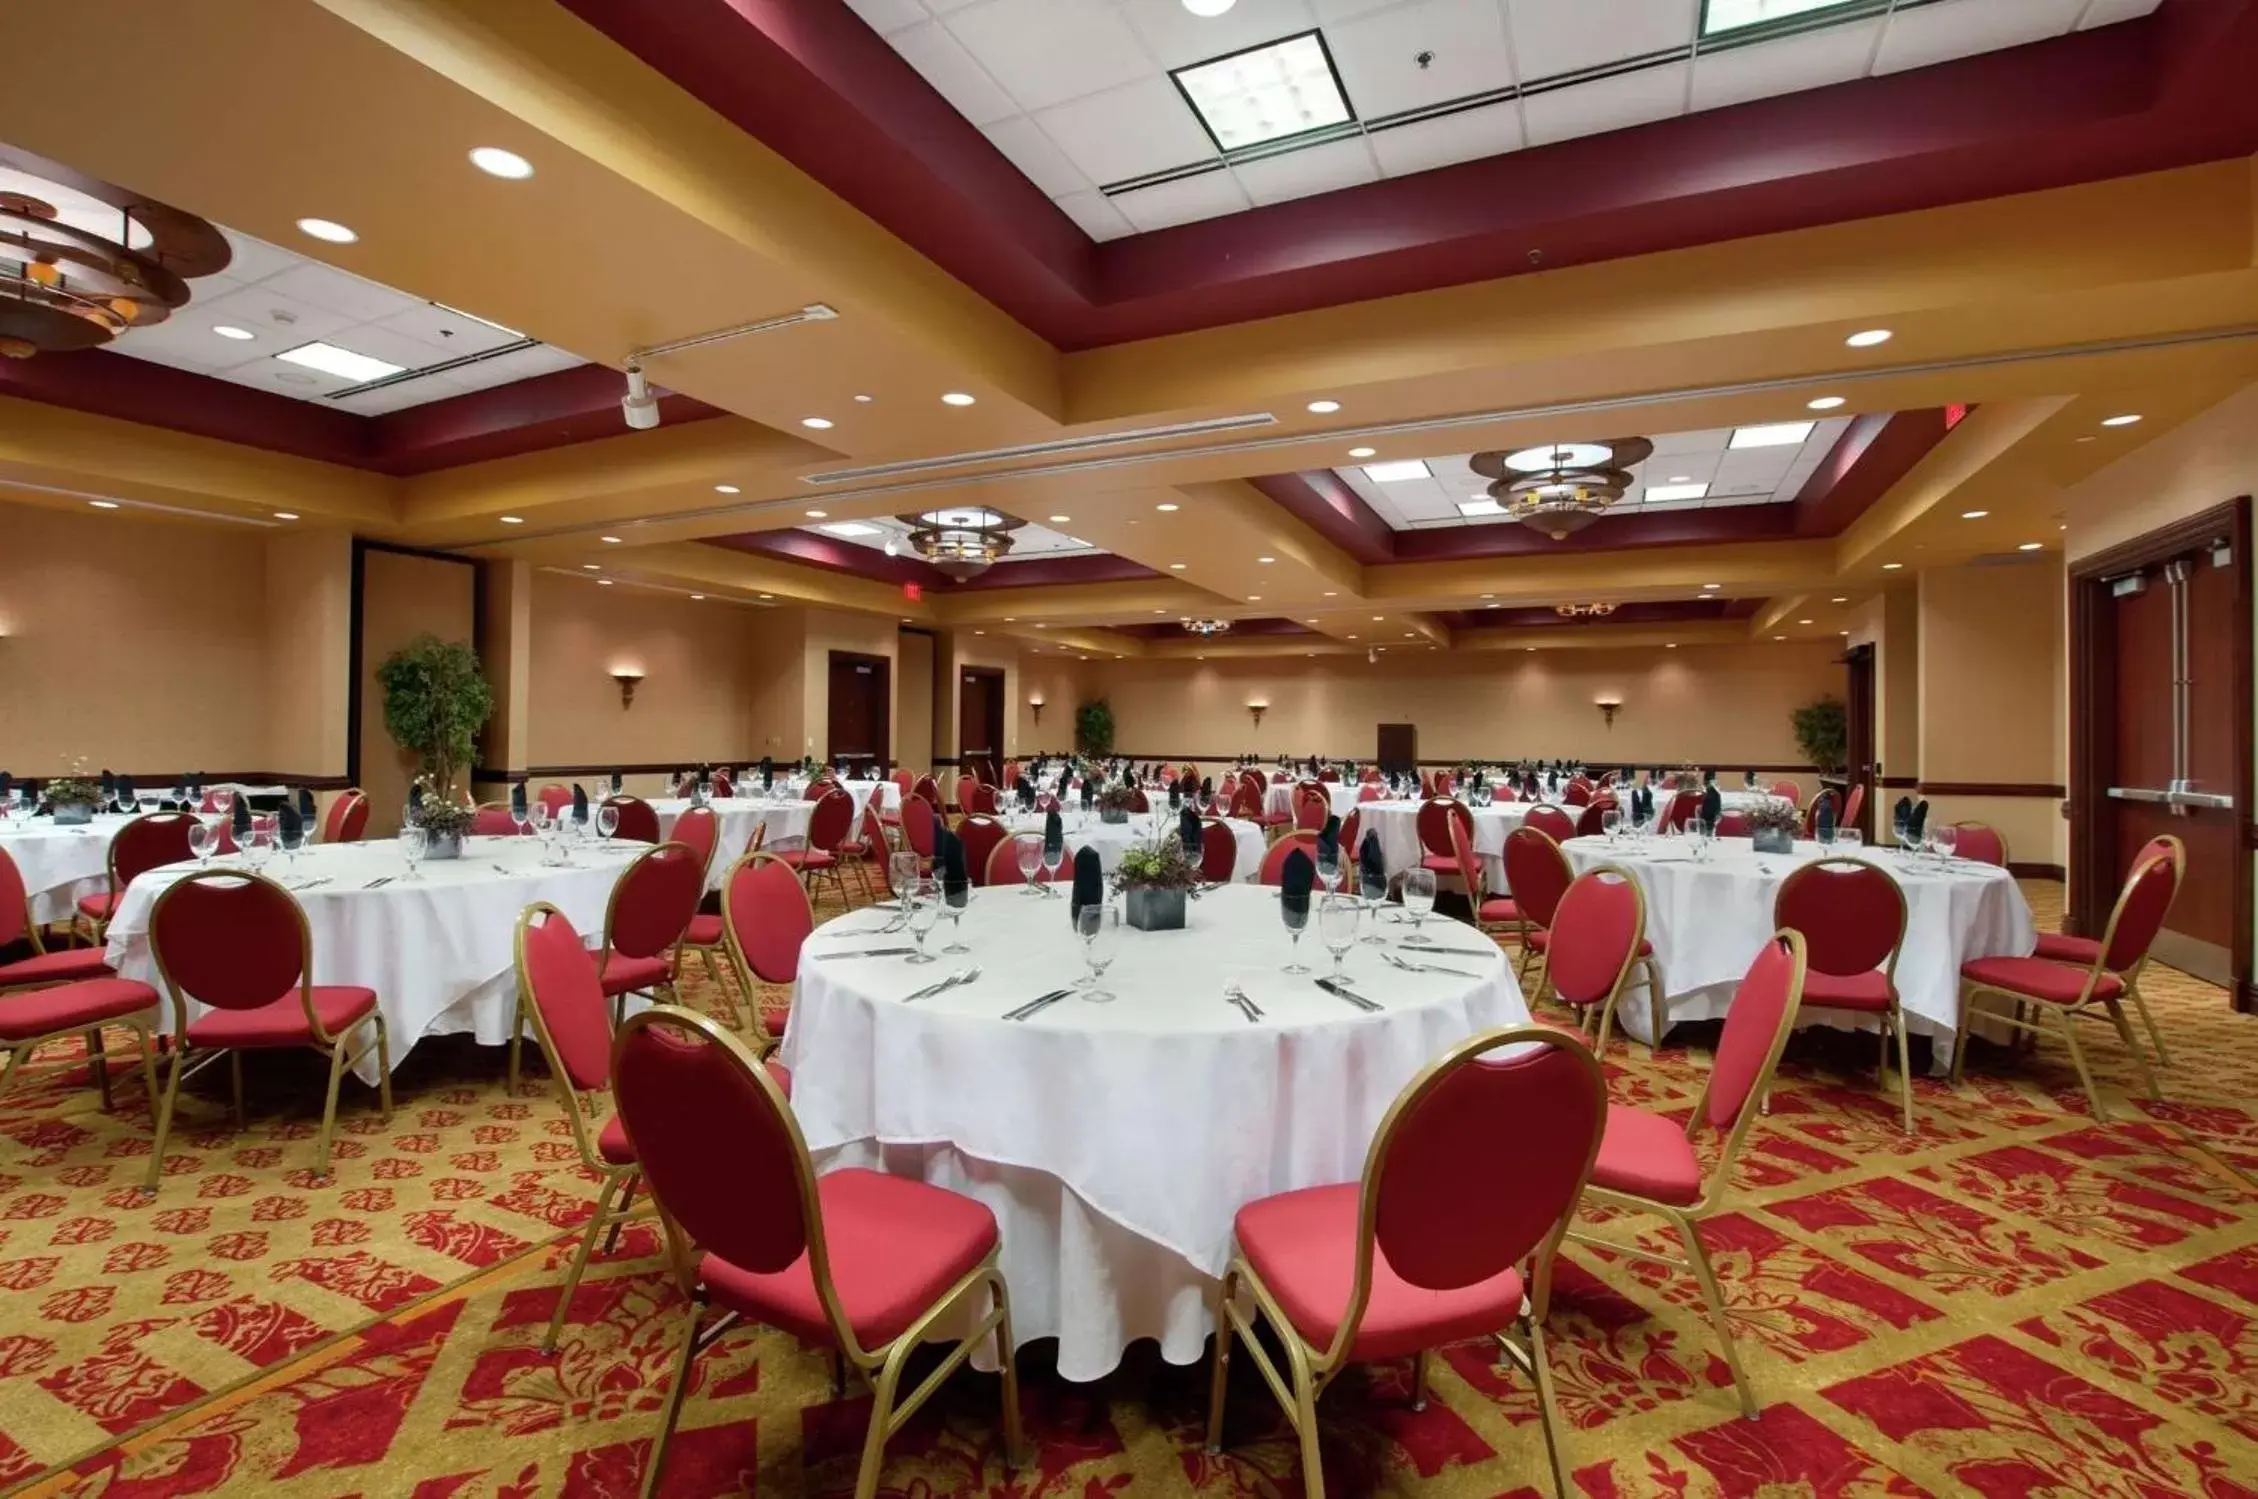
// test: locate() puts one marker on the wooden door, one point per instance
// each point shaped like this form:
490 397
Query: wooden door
2161 733
1858 733
861 713
980 720
1399 748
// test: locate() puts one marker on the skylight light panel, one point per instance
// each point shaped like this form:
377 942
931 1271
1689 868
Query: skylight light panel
343 363
1267 93
1398 472
850 528
1719 17
1771 435
1472 509
1677 492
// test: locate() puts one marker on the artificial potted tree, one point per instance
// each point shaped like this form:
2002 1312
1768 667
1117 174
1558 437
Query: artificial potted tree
1093 728
1822 733
435 702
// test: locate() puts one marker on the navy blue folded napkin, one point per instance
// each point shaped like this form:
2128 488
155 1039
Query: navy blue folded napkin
109 788
1054 836
1748 779
768 773
1826 822
579 804
7 785
1901 816
1207 788
1329 841
1089 790
308 813
241 820
129 799
1371 866
1712 804
415 800
517 800
288 825
948 852
1190 833
1089 883
1920 818
1294 882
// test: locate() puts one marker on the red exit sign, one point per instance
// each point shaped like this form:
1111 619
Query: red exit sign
1954 415
913 591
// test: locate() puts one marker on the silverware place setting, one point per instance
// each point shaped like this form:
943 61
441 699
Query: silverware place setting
1421 950
1395 962
1037 1005
1237 997
1344 992
867 952
961 976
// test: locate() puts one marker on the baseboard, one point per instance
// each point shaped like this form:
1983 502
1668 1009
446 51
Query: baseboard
2246 998
2024 871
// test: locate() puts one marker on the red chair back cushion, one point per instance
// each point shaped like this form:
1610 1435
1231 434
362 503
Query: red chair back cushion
348 818
561 974
1246 802
700 829
1768 992
556 798
1732 825
2140 912
685 1098
1537 873
1312 805
148 841
1981 842
1851 914
1595 930
768 913
832 820
1447 1217
1853 804
1219 850
15 902
981 834
493 822
927 790
233 942
1552 822
917 825
655 900
638 820
1273 870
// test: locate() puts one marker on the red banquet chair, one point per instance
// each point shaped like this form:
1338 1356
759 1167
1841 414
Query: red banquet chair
1789 791
699 830
495 820
980 800
347 818
1219 851
1981 842
1647 1163
1853 804
919 820
638 819
868 846
1313 804
1732 825
829 825
237 944
1273 871
866 1264
981 834
1537 873
1371 791
1247 803
50 995
1678 811
1595 941
765 926
1437 815
1552 822
1824 800
1491 913
1578 794
2064 948
149 841
1435 1244
819 786
558 799
1852 917
1003 863
2041 987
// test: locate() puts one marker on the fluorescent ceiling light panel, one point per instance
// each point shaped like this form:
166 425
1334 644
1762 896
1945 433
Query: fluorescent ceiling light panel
1720 16
1771 435
1398 472
849 528
1267 93
1677 491
474 317
1472 508
343 363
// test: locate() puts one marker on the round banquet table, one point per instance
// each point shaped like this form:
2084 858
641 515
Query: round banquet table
1708 919
739 818
1397 824
1115 1142
1086 830
1278 800
60 864
438 949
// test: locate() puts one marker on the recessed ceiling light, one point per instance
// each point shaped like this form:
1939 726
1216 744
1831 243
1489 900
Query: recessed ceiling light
849 528
1823 403
1175 567
1209 8
863 400
1660 492
695 597
1397 472
1409 635
343 363
2031 546
1974 514
229 330
603 582
513 520
1803 621
765 595
817 514
286 515
1041 626
819 423
1838 601
979 632
1529 648
1254 598
957 398
1493 606
725 489
103 504
1324 408
1352 637
1011 619
327 229
614 540
1266 559
1060 520
496 162
2125 420
1669 645
1891 567
1164 507
1771 435
1280 89
1868 338
1309 621
1844 633
1707 587
1779 637
1334 593
1362 452
591 567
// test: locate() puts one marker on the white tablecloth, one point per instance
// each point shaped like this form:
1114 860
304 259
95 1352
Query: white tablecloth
439 950
1708 920
1086 830
1115 1142
1280 798
739 819
59 864
1397 823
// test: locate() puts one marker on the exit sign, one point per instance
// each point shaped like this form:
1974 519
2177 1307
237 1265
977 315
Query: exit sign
913 591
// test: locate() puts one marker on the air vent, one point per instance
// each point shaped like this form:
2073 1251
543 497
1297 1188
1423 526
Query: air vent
1063 447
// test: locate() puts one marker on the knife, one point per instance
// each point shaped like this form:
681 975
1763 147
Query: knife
868 952
1342 991
382 879
1033 1006
1415 950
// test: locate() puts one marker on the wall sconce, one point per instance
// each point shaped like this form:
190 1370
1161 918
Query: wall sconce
628 681
1255 712
1608 708
1036 703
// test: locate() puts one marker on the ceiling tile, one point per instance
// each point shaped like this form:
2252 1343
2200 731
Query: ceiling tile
2108 12
1128 132
255 259
447 333
1551 37
1045 52
1095 212
1960 28
186 341
338 291
1333 12
1022 141
1377 55
1176 38
1209 195
1762 70
1617 103
1468 136
523 364
1709 440
888 16
1308 172
282 321
950 69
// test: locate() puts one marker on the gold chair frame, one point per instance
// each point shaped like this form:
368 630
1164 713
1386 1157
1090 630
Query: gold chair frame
1892 1020
95 932
1310 1369
747 980
881 1367
1650 976
97 1053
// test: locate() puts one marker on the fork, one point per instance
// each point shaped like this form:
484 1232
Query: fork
1247 1007
961 976
1395 962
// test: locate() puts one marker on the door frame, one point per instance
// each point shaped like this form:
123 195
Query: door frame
1859 701
2093 863
999 711
882 667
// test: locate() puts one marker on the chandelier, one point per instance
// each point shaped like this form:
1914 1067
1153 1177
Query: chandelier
1206 627
1562 487
82 261
963 543
1583 611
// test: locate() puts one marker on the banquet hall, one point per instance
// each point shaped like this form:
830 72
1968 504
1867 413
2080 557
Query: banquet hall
948 748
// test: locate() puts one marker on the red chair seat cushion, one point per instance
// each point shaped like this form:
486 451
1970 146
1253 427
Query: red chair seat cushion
1538 940
1868 991
1498 911
2058 947
1647 1156
855 847
99 907
1303 1245
1441 864
625 975
66 966
2037 978
896 1245
283 1023
70 1007
807 858
703 931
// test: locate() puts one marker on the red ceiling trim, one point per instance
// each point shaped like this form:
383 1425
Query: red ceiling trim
812 549
1643 612
1322 500
1873 453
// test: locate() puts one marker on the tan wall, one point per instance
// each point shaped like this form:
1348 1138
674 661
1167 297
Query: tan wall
309 607
402 596
1991 698
913 699
1062 685
828 630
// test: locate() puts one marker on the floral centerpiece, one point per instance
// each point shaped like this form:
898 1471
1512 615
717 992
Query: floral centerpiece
1116 802
74 797
1155 879
444 822
1772 827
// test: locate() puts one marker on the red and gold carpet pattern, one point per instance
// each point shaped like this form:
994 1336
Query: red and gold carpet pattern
2018 1301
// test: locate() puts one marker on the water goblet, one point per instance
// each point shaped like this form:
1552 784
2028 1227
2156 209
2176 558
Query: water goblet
200 840
1611 823
1336 927
1099 927
521 815
924 912
1945 839
1849 841
901 875
1418 899
607 820
1030 855
953 901
1372 886
1295 916
413 841
1054 859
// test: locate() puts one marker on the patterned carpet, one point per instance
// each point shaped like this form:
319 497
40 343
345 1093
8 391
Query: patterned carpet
2016 1302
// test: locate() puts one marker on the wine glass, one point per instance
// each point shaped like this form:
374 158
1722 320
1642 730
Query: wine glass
1099 927
1610 823
258 848
1849 841
1945 839
954 900
1372 886
1418 899
1030 853
538 814
1336 927
924 911
607 820
200 840
1901 826
413 841
1329 867
1295 915
1054 859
